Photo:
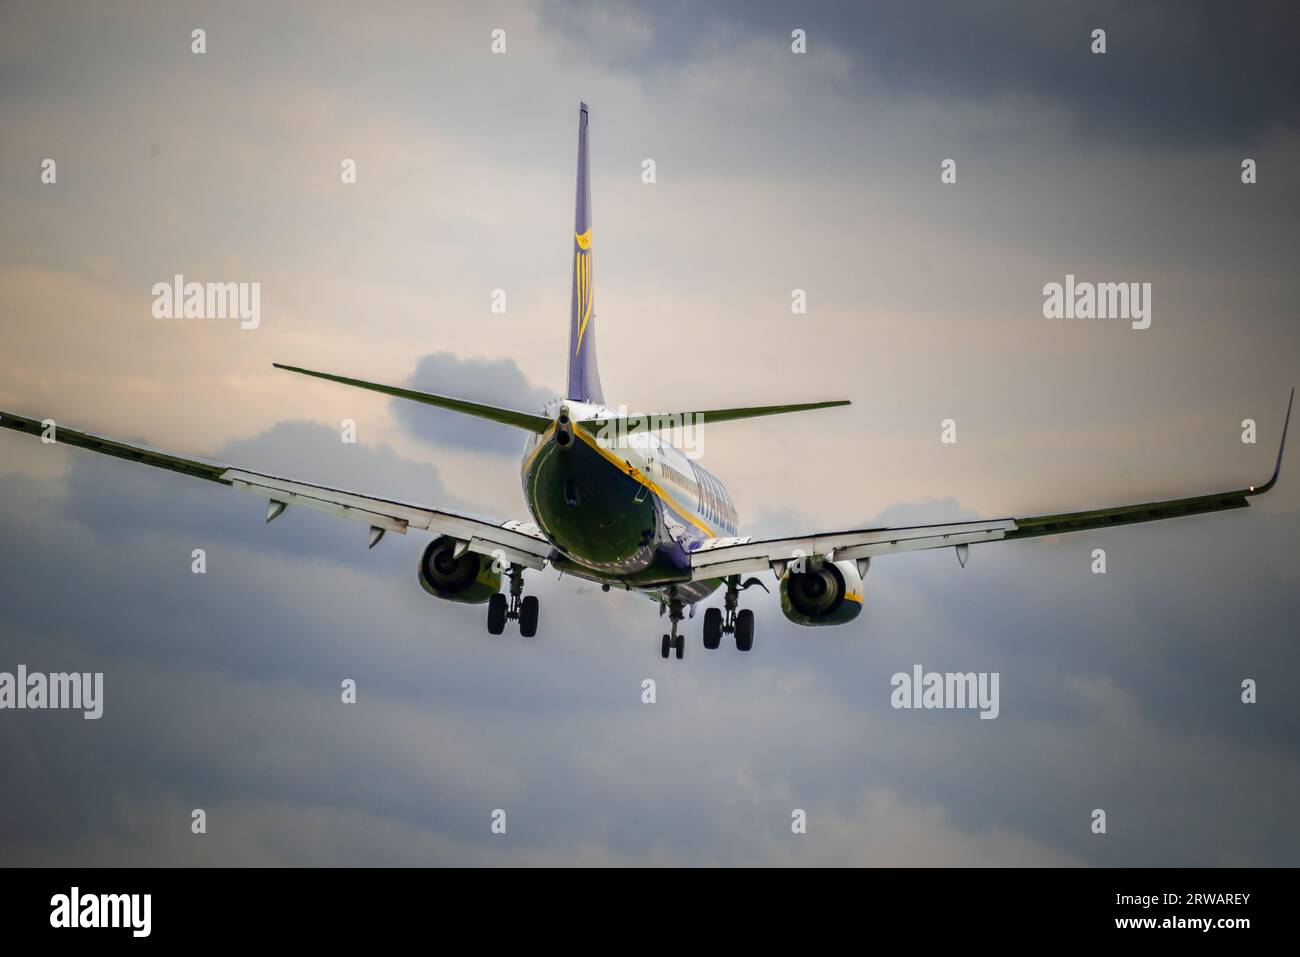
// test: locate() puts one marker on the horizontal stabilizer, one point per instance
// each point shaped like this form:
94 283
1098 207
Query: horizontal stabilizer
663 420
520 420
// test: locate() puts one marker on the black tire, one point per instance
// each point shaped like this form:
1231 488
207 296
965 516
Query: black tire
667 646
528 610
496 614
712 628
745 629
681 647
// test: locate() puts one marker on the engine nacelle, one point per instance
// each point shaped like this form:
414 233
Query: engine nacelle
469 578
828 594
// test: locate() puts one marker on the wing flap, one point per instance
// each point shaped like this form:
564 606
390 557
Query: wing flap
359 508
515 541
1128 514
738 556
198 468
750 556
720 557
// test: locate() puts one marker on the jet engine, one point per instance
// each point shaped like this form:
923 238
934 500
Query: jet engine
825 593
469 578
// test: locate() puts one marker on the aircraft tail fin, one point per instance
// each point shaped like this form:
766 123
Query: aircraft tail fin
584 376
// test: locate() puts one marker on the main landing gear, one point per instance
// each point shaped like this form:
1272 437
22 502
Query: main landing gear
728 620
738 623
516 608
673 642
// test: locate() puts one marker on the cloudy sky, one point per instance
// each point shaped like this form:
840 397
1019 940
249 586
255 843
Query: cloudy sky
775 171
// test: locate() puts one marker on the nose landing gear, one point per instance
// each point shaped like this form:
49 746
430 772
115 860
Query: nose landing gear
517 608
673 642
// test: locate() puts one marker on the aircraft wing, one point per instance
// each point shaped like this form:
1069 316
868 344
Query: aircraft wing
721 557
517 542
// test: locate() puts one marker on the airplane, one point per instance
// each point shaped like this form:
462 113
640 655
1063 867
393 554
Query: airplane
614 502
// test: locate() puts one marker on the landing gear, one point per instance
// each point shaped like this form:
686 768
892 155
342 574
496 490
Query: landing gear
673 641
744 630
712 628
730 621
497 614
671 644
528 610
515 608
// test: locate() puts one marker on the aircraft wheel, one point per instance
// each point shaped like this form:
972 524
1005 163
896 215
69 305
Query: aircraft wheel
712 628
496 614
745 629
681 647
528 610
667 646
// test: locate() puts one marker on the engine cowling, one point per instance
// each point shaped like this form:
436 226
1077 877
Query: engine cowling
469 578
829 593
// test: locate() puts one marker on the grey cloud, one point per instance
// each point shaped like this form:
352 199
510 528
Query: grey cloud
222 692
111 501
1185 73
497 382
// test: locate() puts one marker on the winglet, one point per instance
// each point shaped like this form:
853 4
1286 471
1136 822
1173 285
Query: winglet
1277 469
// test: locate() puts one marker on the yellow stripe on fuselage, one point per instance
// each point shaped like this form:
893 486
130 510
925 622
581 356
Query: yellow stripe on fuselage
645 480
546 436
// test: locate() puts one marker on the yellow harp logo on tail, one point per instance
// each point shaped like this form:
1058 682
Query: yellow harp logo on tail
582 281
